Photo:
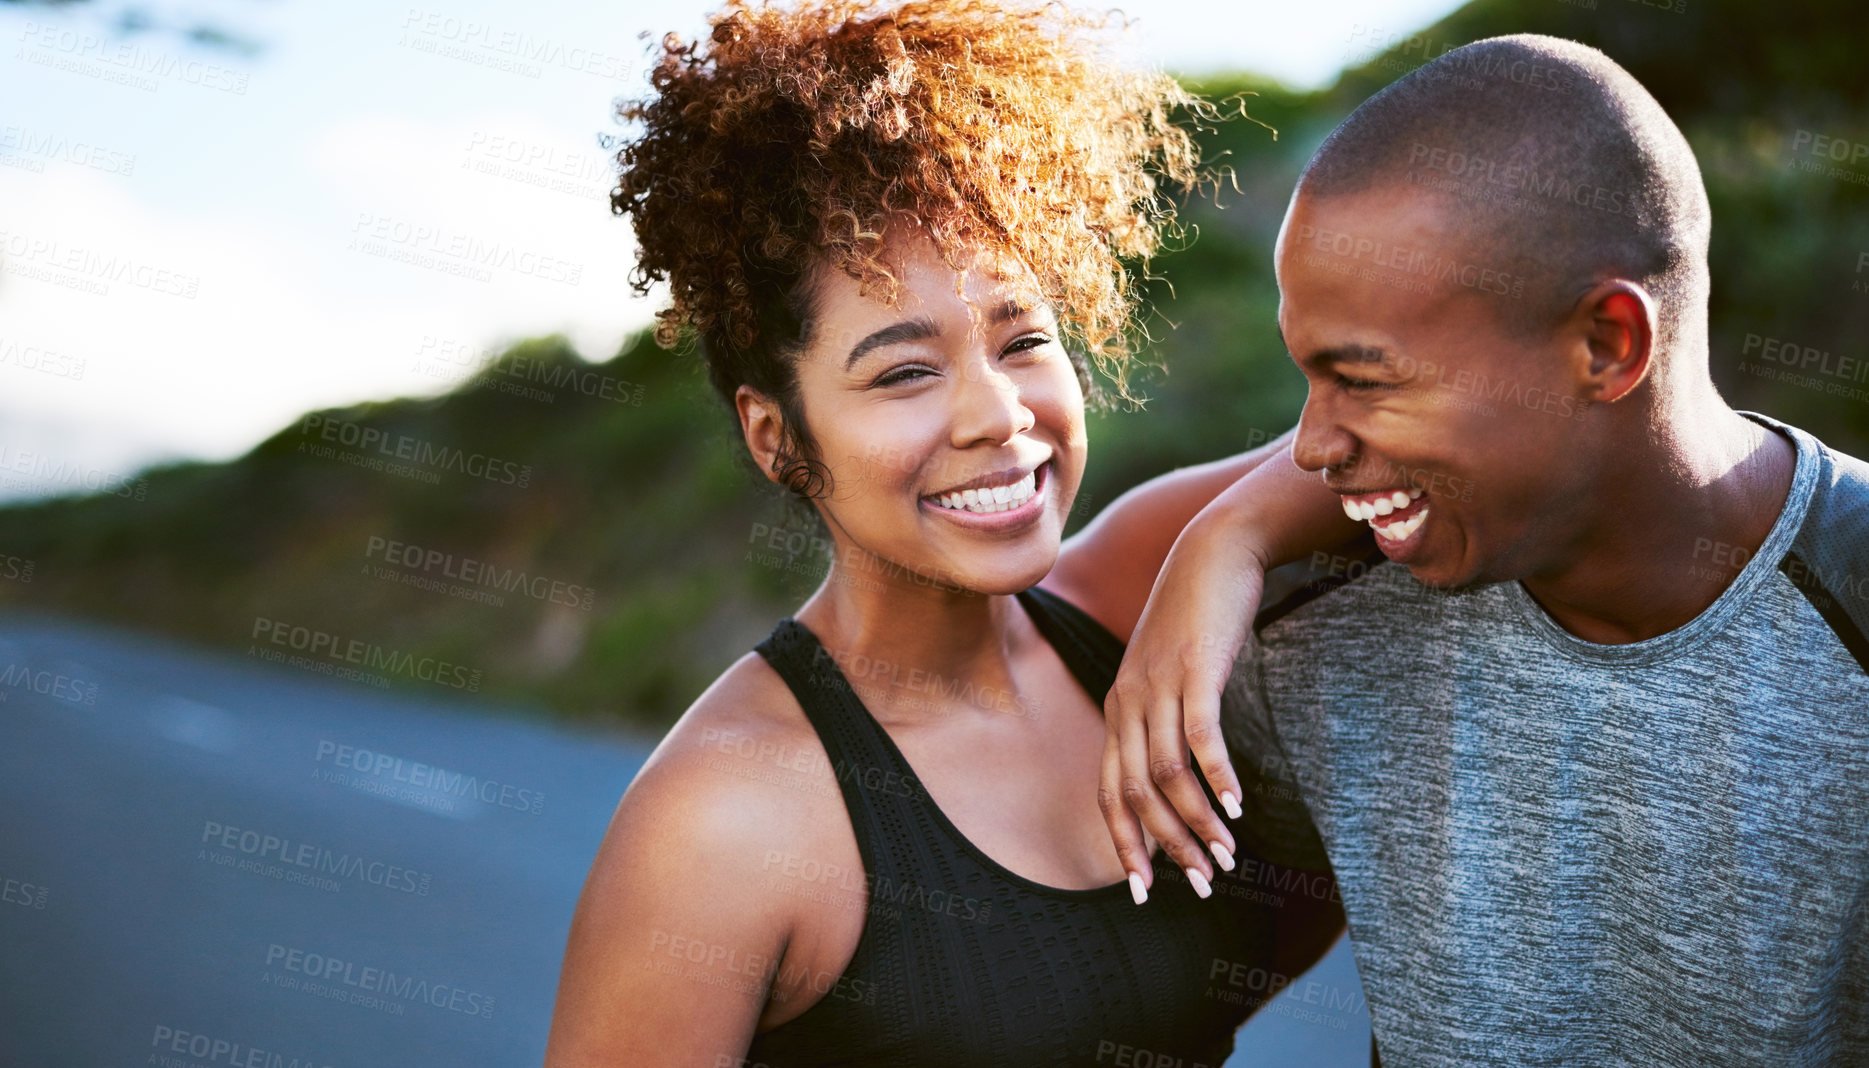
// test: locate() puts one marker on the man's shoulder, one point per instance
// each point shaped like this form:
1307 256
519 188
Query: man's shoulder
1338 583
1839 510
1838 485
1307 585
1829 557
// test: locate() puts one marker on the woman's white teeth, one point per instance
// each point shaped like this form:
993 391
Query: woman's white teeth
992 499
1400 531
1384 506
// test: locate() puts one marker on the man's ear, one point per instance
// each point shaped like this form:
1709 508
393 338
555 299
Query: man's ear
761 425
1615 325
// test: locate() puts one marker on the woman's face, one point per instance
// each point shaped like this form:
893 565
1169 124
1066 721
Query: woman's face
954 434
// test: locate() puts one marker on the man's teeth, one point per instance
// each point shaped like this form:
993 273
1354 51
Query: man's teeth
1400 531
991 498
1367 507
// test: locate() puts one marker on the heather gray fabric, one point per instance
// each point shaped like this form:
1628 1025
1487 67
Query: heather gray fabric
1557 852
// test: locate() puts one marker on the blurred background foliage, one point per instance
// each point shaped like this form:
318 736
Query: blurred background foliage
653 506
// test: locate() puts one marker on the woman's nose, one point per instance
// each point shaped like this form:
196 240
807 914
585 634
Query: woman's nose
989 405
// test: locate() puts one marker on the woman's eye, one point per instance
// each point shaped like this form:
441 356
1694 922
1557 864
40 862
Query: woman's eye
899 375
896 376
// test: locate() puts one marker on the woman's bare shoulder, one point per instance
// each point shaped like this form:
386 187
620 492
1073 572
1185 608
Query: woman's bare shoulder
742 763
741 774
672 874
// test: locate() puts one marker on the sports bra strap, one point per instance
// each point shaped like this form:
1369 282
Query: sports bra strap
1086 646
879 787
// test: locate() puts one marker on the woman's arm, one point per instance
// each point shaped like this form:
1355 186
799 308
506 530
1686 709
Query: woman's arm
1108 568
1165 702
673 945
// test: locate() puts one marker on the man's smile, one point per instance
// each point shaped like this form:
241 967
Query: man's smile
1395 515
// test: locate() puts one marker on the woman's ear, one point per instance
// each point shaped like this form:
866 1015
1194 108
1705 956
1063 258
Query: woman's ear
762 426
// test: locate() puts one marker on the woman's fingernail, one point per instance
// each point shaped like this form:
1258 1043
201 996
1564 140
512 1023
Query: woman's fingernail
1231 804
1199 882
1136 889
1220 854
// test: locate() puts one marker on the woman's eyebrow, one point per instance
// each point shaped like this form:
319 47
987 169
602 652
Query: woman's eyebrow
895 333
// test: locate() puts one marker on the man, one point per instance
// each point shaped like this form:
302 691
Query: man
1582 726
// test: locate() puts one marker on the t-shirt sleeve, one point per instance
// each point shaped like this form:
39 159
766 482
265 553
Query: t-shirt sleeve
1829 561
1275 821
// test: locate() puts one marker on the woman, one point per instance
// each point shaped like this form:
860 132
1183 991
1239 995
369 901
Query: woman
876 839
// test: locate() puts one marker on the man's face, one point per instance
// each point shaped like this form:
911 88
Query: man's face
1466 446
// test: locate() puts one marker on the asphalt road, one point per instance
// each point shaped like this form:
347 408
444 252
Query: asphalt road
212 861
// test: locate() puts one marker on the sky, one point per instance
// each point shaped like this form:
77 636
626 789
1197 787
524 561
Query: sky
199 244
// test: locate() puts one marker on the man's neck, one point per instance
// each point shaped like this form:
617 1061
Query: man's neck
1674 530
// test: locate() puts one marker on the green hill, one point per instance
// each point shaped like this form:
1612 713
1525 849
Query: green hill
586 539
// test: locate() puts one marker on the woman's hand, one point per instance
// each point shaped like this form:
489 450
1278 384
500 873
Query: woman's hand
1165 703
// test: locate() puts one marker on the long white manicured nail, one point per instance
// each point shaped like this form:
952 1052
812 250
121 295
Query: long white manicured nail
1199 882
1221 855
1136 889
1231 804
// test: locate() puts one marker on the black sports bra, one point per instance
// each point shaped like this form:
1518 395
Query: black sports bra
963 962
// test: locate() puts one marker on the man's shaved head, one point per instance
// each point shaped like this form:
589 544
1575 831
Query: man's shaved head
1549 161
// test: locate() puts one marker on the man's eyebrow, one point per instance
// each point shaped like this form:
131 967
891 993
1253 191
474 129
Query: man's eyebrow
1352 354
922 328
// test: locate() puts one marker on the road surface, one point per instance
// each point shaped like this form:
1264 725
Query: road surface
208 860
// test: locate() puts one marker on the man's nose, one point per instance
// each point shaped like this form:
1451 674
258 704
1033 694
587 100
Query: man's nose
1321 443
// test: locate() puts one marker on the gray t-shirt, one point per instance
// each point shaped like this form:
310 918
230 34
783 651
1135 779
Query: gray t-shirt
1557 852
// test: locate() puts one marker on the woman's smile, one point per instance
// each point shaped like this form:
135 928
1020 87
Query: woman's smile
1007 500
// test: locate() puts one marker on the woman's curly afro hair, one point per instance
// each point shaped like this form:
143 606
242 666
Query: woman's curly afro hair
790 135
